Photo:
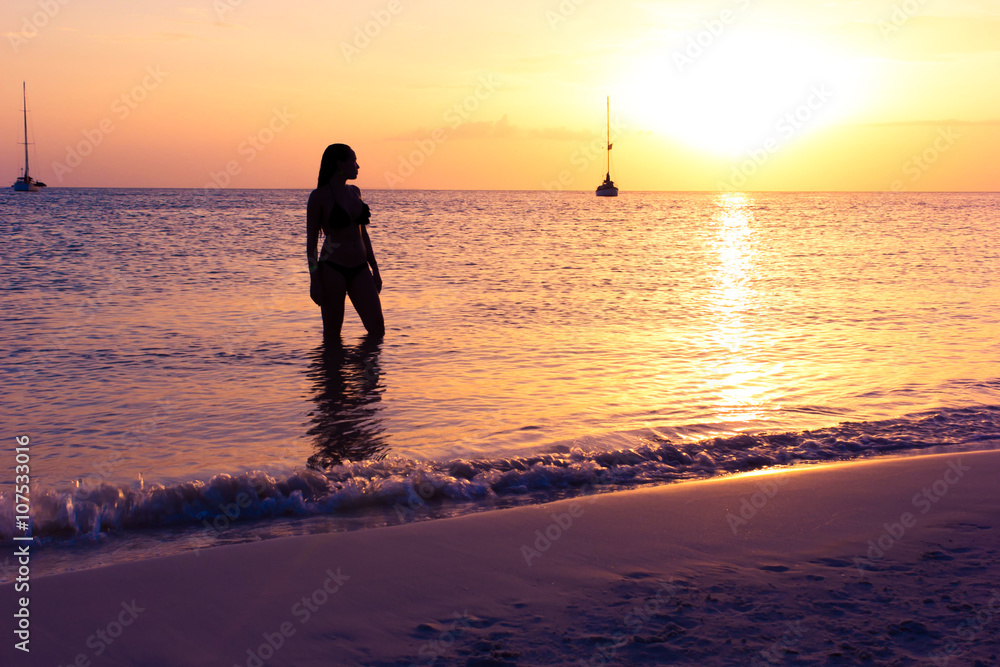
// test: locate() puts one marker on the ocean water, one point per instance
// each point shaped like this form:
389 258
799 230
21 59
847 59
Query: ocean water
160 350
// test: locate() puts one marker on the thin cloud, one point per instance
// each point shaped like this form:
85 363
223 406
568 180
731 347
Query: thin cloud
932 123
155 37
498 129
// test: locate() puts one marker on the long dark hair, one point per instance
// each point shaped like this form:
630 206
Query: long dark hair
333 154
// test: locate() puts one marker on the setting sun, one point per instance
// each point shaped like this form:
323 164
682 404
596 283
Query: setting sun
398 332
695 90
747 90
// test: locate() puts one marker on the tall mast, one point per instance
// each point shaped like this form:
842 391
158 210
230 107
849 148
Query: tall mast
609 137
24 96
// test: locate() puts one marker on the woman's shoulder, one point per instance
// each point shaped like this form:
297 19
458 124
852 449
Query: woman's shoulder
320 195
320 199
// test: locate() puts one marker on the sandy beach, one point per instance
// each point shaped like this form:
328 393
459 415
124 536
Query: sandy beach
432 334
887 562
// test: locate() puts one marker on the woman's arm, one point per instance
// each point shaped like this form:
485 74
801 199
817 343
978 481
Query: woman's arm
368 249
314 216
371 257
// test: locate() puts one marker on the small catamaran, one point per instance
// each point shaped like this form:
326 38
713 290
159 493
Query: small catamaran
24 182
607 188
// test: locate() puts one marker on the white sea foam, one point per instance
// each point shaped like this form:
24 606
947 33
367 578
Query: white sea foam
463 485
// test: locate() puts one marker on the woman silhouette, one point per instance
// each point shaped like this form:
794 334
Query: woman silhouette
342 265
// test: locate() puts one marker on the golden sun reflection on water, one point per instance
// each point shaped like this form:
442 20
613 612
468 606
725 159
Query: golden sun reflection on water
740 379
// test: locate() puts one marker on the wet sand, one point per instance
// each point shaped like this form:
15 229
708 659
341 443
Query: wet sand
887 561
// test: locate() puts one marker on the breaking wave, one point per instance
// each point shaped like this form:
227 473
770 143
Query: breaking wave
460 485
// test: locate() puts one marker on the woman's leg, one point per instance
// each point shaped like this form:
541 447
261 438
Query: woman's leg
364 296
333 303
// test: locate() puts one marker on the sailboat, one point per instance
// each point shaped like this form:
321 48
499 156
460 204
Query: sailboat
607 188
24 182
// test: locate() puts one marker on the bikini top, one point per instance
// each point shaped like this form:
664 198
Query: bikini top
339 218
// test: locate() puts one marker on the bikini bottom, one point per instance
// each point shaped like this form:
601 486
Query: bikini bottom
349 272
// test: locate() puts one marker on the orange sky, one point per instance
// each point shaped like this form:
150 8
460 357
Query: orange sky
441 94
